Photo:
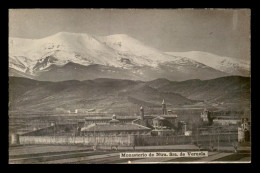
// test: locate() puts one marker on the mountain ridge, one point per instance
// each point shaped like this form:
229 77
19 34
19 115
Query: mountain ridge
122 96
118 52
224 64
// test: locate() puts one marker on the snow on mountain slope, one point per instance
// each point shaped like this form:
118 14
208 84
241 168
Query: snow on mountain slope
78 48
21 63
127 46
84 49
124 57
224 64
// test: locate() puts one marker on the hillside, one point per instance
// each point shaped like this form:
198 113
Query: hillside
126 96
224 91
103 95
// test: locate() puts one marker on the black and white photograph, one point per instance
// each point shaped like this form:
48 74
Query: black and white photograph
129 86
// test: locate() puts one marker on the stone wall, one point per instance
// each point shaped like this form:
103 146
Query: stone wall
143 140
71 140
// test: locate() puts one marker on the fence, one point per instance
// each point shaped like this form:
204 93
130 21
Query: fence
222 137
143 140
128 140
71 140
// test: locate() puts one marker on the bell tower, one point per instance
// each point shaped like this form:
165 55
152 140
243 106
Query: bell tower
142 113
164 111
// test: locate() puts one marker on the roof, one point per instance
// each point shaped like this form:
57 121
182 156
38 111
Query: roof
117 127
114 121
130 117
136 119
159 118
169 116
139 118
163 130
109 118
166 116
182 122
226 118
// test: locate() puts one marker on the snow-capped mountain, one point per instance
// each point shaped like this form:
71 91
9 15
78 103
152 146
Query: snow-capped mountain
68 56
225 64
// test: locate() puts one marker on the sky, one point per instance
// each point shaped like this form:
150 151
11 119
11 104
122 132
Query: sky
224 32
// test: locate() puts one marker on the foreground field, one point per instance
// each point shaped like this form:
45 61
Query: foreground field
85 155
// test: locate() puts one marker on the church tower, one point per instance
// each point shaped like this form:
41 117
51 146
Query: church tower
142 113
164 111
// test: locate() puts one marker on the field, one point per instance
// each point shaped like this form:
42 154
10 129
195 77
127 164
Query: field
39 154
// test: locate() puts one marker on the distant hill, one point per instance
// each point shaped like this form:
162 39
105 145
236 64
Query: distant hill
224 91
126 96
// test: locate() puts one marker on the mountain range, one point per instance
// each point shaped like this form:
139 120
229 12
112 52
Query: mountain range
126 96
75 56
